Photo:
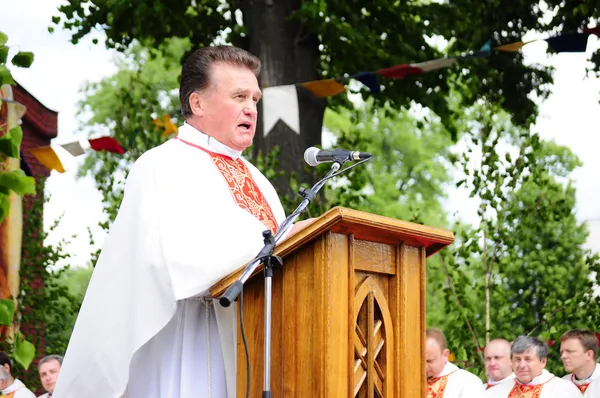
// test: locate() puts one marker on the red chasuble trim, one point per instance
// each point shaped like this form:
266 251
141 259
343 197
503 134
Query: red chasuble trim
523 391
582 387
242 186
437 386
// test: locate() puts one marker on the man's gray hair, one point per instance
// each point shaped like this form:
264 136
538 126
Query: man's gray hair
524 343
49 358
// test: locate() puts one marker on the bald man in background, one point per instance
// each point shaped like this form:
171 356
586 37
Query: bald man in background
498 365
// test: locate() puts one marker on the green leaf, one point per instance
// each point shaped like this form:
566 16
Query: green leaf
24 59
7 311
11 141
17 181
5 76
3 54
4 206
3 39
24 351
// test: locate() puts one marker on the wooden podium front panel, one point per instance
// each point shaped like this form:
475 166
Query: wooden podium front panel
348 321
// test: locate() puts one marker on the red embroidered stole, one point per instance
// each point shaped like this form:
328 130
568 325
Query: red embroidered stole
436 386
582 387
243 188
522 391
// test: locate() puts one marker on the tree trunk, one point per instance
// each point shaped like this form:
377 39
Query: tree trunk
288 56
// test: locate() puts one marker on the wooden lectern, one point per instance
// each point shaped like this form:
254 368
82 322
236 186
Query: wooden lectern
348 310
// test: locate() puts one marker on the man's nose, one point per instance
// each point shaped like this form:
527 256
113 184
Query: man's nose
250 109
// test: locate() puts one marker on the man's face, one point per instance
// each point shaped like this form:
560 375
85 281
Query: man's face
436 358
48 375
527 365
497 360
228 106
573 355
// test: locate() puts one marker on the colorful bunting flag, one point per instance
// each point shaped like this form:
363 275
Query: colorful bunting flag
512 47
280 103
324 88
46 156
74 148
370 80
569 43
166 124
593 31
435 64
399 71
106 144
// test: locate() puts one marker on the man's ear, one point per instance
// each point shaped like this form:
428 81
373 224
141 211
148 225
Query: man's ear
7 368
196 103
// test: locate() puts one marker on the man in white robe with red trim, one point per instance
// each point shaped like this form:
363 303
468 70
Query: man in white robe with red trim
578 351
498 366
193 212
528 356
444 379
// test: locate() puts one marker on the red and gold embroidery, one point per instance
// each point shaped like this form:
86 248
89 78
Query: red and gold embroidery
242 186
437 386
522 391
583 388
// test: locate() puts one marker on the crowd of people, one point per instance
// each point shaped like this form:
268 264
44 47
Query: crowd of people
48 368
517 369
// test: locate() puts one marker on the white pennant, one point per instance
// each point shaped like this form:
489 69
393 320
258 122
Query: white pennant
280 102
74 148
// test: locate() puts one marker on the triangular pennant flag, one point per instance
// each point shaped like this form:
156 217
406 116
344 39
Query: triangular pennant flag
106 144
369 79
484 51
46 156
399 71
435 64
74 148
324 88
569 43
593 31
280 102
512 47
166 124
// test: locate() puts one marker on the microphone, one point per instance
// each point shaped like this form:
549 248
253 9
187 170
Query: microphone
313 156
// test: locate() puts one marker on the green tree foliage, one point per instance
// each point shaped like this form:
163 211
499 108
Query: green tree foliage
523 269
300 41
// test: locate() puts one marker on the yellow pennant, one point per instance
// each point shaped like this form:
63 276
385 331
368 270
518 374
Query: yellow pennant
46 156
324 88
512 47
165 123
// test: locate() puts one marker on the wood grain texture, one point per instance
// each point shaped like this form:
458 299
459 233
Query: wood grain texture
348 313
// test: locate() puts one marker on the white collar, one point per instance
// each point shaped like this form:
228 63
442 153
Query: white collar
449 368
190 134
493 382
13 387
541 379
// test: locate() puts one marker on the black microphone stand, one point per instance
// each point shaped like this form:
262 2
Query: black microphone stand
270 262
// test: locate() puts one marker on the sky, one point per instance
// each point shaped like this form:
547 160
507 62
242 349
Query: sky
570 117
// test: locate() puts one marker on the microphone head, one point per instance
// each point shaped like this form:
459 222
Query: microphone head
310 156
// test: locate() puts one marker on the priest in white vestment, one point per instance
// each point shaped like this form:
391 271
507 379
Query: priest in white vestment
498 366
194 211
529 355
444 379
578 351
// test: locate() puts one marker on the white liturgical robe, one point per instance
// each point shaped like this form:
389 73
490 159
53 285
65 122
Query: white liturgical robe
589 387
492 383
545 385
454 382
143 329
17 390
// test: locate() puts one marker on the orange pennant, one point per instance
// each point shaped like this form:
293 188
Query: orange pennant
166 124
46 156
324 88
512 47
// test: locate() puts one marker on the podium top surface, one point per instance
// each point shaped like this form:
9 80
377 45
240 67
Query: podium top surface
363 226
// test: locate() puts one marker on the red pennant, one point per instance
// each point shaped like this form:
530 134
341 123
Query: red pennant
399 71
106 144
